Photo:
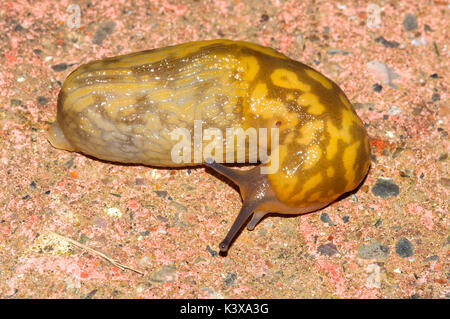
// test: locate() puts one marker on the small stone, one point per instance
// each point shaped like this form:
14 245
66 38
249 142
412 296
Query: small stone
139 181
404 248
345 218
378 222
431 258
327 249
165 274
264 18
59 67
105 29
144 233
374 278
385 187
211 251
436 97
410 22
387 43
372 250
42 100
91 294
377 87
326 219
161 194
230 279
434 76
69 163
15 102
162 218
337 51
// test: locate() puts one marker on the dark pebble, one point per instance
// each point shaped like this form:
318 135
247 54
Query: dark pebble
387 43
18 28
69 163
105 29
33 184
139 181
38 52
42 100
26 197
410 22
431 258
385 188
230 279
436 97
145 233
211 251
378 222
327 249
404 248
345 218
59 67
434 76
377 87
91 294
161 194
15 102
162 218
326 219
264 18
373 250
443 157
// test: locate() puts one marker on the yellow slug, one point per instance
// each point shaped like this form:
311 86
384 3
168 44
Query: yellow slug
149 107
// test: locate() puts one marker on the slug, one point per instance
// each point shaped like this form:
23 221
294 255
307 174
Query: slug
127 108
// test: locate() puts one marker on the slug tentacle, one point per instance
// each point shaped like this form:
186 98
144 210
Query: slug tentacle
257 196
246 210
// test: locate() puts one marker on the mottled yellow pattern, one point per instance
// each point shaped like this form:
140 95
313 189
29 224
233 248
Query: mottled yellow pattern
124 108
320 78
288 79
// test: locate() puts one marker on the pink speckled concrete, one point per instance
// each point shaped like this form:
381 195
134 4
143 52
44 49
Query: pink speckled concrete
172 235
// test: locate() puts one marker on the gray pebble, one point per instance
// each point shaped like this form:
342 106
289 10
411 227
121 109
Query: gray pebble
372 250
326 219
404 248
211 251
410 22
105 29
42 100
431 258
327 249
60 67
161 194
230 279
385 187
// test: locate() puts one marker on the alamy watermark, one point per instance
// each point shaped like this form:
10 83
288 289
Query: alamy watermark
194 150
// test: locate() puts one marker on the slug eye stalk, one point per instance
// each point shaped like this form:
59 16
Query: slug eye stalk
256 194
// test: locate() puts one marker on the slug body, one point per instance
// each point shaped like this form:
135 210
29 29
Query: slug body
126 108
